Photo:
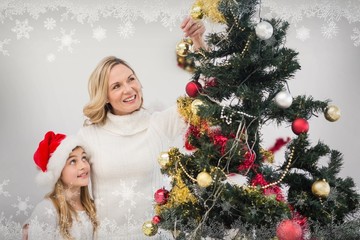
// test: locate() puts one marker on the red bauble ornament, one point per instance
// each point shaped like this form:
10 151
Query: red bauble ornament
289 230
161 196
300 125
193 88
156 219
188 146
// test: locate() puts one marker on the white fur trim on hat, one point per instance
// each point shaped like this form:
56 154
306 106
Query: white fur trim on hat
57 161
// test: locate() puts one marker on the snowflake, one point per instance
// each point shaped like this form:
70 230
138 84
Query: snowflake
226 207
49 212
66 40
99 33
2 49
330 30
356 37
9 229
127 194
5 182
22 206
50 23
327 10
22 29
99 202
130 222
108 228
50 57
42 230
270 69
126 30
303 33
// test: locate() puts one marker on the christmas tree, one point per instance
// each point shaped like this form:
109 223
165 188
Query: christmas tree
225 186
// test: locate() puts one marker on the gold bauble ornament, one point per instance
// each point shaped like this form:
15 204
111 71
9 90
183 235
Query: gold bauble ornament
320 188
164 159
189 68
183 48
196 12
181 60
149 228
204 179
332 113
195 105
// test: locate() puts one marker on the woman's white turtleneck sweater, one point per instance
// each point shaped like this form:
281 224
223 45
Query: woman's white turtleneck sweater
125 172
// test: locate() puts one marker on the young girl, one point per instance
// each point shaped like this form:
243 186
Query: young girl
67 212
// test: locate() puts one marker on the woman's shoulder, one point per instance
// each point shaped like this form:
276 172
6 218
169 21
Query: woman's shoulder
169 111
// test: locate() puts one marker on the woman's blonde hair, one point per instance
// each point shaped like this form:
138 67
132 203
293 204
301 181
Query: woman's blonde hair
98 107
65 210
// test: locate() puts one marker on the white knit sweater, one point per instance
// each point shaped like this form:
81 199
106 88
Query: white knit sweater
125 171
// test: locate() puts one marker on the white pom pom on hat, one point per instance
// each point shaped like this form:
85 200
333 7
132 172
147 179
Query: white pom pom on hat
51 156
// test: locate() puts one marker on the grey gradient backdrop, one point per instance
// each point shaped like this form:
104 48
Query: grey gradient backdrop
37 95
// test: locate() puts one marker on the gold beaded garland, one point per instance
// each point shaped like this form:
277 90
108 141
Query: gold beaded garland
284 173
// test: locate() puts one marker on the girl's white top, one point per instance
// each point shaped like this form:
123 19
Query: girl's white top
125 171
43 224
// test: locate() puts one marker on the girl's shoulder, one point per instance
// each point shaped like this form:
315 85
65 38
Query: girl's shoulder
45 203
44 211
43 222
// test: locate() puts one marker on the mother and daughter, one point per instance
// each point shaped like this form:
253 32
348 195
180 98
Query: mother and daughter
118 144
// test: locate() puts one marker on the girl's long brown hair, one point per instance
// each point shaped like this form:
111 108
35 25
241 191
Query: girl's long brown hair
66 211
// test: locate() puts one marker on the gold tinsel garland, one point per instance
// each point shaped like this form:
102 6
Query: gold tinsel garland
210 10
268 155
179 194
184 108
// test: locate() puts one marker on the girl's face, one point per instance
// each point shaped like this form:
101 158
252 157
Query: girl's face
76 171
124 90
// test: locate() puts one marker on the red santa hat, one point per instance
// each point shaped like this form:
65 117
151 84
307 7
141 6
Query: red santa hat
51 156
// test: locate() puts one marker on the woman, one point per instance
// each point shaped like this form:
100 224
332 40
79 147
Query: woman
67 212
124 141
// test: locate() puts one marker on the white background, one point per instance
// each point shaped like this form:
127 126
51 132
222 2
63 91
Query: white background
37 95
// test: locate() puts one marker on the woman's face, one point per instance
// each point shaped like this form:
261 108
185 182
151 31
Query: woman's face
76 171
124 92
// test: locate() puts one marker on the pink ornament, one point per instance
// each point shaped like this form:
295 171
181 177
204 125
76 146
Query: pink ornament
211 82
161 196
289 230
193 88
300 125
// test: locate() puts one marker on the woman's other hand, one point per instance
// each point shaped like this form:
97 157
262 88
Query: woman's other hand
194 29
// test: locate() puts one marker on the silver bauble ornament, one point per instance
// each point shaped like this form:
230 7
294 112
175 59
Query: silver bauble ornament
283 99
164 159
264 30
